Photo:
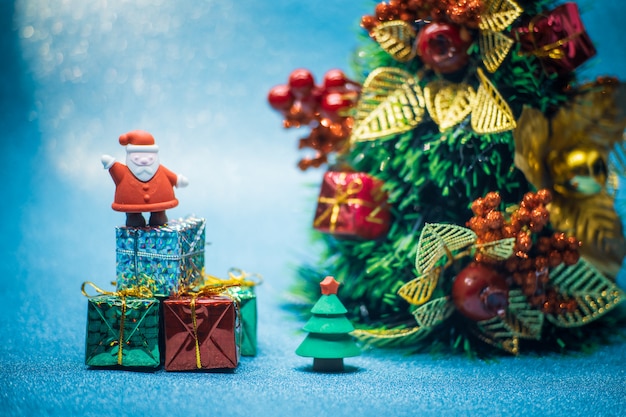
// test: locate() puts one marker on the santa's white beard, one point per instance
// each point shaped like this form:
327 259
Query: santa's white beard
143 172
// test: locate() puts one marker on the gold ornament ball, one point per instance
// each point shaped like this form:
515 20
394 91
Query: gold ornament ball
578 172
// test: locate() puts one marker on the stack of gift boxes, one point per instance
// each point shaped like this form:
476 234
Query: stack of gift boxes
162 312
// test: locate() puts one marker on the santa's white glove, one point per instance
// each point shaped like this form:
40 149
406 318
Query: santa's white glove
107 161
182 181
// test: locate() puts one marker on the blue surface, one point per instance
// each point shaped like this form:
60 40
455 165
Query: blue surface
76 74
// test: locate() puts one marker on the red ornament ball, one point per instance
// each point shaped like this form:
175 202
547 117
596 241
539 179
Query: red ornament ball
334 103
335 79
301 82
280 97
443 47
479 292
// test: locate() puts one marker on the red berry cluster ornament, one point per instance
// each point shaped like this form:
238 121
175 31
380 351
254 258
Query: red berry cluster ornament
462 12
535 252
322 107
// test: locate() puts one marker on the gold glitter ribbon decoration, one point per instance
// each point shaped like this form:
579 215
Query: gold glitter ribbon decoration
139 292
236 278
427 317
194 321
342 196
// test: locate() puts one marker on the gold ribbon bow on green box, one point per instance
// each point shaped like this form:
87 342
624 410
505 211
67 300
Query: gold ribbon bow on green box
122 327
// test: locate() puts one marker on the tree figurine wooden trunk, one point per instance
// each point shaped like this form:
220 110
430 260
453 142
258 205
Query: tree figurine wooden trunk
329 340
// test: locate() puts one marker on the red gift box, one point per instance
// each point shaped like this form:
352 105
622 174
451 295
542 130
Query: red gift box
201 333
558 38
352 204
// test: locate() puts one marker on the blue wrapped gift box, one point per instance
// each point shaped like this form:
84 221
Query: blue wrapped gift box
164 259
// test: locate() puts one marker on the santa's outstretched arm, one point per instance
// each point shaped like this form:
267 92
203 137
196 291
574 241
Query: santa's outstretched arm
107 161
181 181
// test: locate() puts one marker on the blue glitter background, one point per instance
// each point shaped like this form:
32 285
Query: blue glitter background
76 74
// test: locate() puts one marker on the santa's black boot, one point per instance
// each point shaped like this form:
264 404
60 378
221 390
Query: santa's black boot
158 218
135 220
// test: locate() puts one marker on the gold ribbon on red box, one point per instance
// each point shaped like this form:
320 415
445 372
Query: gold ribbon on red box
345 199
558 38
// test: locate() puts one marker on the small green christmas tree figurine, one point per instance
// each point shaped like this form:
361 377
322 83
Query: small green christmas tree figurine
328 341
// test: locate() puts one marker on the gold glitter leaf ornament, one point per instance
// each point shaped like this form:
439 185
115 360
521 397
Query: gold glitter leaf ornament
490 113
433 312
499 14
419 290
438 240
504 332
498 249
494 47
531 317
447 242
448 103
391 102
397 38
520 321
427 317
595 294
531 139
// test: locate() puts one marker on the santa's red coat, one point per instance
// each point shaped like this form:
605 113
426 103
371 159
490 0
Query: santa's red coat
134 196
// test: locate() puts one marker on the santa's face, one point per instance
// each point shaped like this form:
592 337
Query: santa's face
143 165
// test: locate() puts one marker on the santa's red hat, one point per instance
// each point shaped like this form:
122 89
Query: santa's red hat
138 141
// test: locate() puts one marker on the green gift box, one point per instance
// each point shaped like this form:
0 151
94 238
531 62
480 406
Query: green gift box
122 331
246 297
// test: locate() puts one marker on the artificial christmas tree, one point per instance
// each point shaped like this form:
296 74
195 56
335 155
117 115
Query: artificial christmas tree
471 114
329 340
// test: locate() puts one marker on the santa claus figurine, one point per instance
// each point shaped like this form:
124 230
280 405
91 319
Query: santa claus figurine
142 185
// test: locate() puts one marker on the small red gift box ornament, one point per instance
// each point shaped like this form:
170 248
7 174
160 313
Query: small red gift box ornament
558 38
201 333
352 204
